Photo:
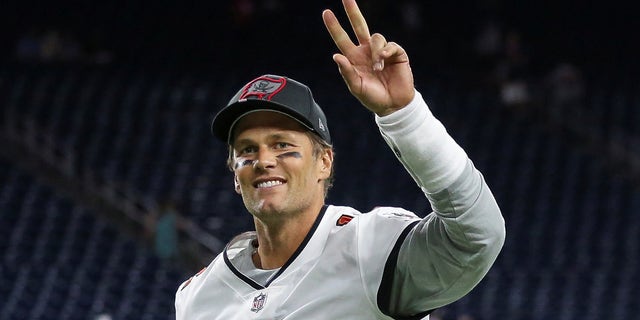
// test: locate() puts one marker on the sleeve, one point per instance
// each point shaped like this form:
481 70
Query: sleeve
447 253
179 302
182 297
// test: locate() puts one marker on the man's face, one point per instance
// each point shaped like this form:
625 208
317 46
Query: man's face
275 169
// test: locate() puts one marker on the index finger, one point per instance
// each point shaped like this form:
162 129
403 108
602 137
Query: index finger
358 23
339 36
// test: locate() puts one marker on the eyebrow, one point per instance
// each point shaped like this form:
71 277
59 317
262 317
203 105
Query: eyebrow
274 136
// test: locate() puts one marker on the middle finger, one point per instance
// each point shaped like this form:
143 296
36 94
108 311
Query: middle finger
358 23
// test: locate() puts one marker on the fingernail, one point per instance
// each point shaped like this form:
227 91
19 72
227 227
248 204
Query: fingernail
377 66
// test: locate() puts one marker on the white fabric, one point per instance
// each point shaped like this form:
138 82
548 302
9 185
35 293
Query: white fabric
430 155
340 271
334 277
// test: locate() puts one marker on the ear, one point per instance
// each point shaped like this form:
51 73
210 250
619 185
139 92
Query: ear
236 184
326 164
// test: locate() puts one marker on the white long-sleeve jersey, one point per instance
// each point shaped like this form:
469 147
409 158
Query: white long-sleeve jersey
384 264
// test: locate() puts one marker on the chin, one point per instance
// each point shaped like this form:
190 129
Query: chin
264 207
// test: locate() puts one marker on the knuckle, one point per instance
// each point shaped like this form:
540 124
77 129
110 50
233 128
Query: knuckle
378 36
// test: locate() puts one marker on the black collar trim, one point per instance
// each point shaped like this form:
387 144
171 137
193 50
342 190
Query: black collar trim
239 274
304 243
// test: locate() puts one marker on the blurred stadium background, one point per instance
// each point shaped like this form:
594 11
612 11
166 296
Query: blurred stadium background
113 192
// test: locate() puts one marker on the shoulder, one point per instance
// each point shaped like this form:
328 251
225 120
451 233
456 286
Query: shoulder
195 281
185 284
377 222
343 213
393 213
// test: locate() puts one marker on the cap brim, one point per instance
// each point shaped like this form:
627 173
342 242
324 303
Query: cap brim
225 120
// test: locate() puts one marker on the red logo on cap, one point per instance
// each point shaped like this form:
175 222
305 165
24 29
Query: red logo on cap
263 88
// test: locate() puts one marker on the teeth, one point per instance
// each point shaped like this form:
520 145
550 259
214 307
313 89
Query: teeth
267 184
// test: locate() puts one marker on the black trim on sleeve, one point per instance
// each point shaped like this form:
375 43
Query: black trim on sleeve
384 292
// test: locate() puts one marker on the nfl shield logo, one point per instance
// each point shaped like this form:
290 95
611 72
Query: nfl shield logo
258 302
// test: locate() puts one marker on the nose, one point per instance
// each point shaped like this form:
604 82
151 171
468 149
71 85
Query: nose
266 159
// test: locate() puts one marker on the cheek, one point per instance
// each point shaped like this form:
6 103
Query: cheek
241 173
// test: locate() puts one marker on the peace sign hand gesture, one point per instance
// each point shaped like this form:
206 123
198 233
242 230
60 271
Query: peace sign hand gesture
376 72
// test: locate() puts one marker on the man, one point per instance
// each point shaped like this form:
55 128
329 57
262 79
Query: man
310 260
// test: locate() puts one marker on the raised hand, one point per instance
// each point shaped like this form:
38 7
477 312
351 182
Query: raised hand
376 72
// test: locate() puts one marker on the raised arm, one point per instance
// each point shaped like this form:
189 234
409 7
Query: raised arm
447 253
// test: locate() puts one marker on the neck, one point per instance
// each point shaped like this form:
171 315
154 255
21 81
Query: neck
278 240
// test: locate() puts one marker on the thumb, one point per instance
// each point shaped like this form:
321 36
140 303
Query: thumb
348 72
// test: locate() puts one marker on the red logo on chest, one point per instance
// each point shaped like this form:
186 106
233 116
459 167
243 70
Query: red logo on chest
344 219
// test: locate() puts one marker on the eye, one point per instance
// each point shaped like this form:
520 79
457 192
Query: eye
282 145
247 150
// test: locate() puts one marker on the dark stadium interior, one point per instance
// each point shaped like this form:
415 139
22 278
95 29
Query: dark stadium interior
104 132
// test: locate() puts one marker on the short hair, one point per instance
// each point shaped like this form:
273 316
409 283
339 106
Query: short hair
319 146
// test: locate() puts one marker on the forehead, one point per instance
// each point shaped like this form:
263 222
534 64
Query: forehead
266 122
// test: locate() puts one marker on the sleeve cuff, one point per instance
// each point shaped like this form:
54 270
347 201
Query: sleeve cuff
411 111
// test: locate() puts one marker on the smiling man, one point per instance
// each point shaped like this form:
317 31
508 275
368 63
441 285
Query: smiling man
310 260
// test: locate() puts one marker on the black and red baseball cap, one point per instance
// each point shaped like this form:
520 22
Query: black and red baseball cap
272 93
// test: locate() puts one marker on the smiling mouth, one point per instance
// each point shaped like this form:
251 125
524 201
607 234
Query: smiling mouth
268 184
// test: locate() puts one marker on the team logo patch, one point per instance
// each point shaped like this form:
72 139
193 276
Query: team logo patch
258 302
186 283
263 88
344 219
